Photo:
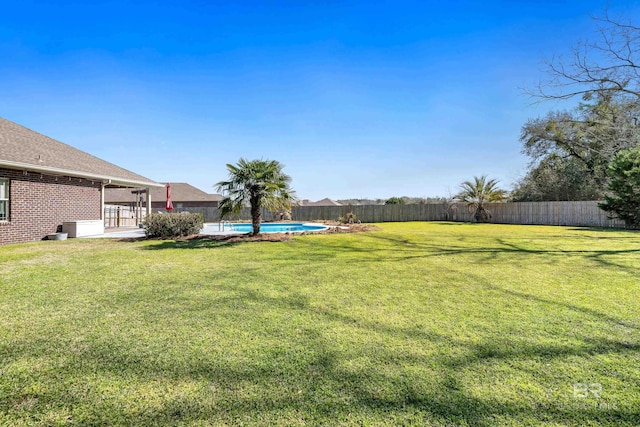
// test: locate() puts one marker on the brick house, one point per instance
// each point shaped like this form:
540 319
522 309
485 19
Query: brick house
44 183
183 196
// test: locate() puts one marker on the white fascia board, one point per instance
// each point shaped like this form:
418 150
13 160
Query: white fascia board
87 175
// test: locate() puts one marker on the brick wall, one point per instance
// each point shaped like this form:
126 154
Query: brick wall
39 204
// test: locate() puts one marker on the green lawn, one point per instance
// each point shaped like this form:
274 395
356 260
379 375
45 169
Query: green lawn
418 324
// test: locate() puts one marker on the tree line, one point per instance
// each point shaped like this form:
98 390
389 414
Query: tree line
591 152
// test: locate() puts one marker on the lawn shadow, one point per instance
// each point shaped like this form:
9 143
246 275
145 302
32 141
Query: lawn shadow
207 241
305 377
214 241
584 310
627 231
304 372
398 248
187 244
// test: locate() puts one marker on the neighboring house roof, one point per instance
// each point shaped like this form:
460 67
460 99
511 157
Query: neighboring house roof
22 148
180 192
324 202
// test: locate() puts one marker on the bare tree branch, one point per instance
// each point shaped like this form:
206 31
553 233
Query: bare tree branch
609 65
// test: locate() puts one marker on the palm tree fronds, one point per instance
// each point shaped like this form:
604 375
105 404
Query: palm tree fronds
259 183
475 194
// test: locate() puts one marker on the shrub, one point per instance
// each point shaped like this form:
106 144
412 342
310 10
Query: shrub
169 225
349 218
624 186
394 201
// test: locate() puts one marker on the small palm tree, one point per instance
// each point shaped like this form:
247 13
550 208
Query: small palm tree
475 194
260 183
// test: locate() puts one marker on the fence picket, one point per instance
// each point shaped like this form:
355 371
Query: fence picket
585 213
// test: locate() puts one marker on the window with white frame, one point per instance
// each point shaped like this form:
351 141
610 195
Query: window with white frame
4 199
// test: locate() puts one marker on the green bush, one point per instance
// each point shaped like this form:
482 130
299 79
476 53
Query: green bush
349 218
170 225
623 200
395 201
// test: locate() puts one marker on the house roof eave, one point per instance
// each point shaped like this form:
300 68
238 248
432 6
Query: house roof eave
87 175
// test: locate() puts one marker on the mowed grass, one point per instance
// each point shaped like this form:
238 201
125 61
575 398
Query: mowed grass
434 324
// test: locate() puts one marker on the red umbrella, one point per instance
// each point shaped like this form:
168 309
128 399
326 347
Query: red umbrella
169 205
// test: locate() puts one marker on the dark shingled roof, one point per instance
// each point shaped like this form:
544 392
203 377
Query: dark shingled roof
22 148
180 192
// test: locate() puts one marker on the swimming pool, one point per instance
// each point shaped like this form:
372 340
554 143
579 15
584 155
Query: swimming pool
275 227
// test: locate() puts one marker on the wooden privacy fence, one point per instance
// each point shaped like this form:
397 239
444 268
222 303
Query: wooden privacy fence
211 214
372 213
585 214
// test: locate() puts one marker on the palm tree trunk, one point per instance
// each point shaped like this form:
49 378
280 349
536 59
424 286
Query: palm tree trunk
256 214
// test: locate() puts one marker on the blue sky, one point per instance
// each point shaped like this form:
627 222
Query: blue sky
357 98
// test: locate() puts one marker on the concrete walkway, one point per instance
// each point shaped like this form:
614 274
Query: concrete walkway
210 228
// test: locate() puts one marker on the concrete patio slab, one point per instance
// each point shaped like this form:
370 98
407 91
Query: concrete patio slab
209 229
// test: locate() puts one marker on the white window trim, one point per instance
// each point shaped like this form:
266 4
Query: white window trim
6 199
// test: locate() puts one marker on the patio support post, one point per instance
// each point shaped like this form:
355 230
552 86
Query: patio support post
148 201
102 202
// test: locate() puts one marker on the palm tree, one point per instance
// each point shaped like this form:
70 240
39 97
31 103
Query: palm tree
261 183
475 194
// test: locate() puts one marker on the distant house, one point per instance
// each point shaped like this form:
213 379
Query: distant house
183 196
45 183
323 202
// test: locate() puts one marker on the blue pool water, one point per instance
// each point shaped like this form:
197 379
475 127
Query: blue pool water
277 227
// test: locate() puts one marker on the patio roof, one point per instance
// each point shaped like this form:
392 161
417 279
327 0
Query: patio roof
180 192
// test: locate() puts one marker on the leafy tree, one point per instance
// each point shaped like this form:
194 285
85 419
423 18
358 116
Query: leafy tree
479 192
605 76
557 178
624 185
394 201
591 135
260 183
